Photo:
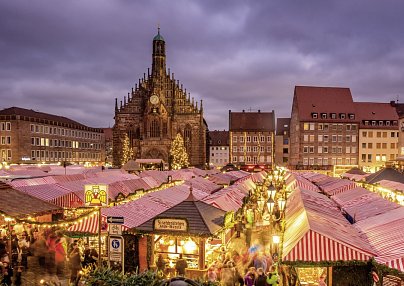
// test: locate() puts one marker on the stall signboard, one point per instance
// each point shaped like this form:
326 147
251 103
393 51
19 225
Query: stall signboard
170 224
95 195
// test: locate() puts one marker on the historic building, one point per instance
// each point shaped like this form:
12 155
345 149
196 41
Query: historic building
282 141
154 112
28 136
218 148
251 137
378 134
323 128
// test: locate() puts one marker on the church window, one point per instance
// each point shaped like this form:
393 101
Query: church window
154 128
187 138
164 128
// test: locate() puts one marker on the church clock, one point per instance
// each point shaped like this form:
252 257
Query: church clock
154 99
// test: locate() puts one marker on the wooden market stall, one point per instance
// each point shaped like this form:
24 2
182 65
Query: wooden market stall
183 230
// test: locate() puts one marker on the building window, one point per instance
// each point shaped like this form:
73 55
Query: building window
351 116
353 138
234 158
248 138
306 138
262 138
387 123
326 126
363 157
363 145
380 123
306 126
235 139
255 138
342 115
235 149
314 115
241 139
319 149
311 149
311 137
320 138
325 149
305 149
155 129
348 138
324 115
333 115
334 138
347 149
325 138
320 126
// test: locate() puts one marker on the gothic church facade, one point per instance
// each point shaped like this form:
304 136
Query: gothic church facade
154 112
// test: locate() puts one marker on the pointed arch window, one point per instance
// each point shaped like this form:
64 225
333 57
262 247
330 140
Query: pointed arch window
154 128
188 138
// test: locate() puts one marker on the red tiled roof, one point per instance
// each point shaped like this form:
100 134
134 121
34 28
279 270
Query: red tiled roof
376 111
252 121
311 99
219 138
45 116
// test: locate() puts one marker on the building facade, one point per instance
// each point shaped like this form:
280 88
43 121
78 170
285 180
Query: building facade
154 112
218 148
323 128
252 137
28 136
282 137
378 135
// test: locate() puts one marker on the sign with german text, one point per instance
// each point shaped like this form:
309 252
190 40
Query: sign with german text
170 224
95 195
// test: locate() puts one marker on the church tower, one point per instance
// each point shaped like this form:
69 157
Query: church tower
152 114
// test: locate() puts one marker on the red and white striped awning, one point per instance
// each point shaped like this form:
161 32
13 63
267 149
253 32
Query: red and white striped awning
397 263
90 225
316 247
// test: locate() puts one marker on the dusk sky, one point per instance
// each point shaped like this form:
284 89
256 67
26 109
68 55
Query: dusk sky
73 58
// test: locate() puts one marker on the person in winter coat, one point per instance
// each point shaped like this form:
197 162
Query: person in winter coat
75 264
261 278
249 278
5 267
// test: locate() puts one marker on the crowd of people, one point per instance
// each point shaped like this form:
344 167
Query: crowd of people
52 256
250 268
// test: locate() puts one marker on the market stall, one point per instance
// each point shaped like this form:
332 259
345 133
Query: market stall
183 230
317 236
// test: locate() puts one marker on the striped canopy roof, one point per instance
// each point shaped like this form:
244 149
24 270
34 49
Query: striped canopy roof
317 231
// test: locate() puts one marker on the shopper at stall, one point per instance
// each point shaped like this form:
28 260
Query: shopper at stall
39 250
261 278
75 264
180 266
249 278
90 256
228 274
60 255
5 267
23 249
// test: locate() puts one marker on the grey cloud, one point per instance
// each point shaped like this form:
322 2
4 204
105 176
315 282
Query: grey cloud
73 58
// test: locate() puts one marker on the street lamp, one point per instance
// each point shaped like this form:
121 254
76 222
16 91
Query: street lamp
271 191
270 205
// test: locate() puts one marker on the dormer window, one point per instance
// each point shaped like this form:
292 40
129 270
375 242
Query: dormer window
324 115
314 115
366 122
373 123
387 123
333 115
380 123
351 116
342 115
395 122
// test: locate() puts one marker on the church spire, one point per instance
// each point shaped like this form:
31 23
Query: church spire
159 55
